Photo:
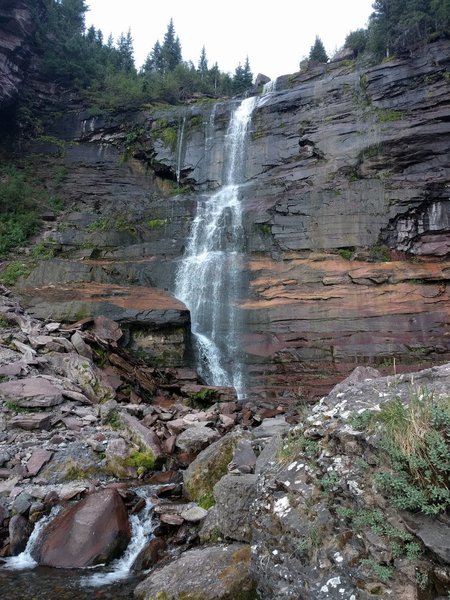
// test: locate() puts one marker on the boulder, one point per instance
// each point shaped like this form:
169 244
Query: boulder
194 439
31 392
93 531
210 573
234 495
19 532
210 466
144 437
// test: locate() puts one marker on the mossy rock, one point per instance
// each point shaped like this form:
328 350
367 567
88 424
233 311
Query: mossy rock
209 467
210 573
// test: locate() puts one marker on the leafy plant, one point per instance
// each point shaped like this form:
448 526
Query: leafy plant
13 272
141 461
415 440
296 444
382 572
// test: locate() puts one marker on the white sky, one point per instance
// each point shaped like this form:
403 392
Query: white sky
275 35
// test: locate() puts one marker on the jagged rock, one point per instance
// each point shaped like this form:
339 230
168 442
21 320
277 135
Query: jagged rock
93 531
211 573
244 458
22 503
152 553
271 427
194 439
234 496
144 437
434 533
82 372
31 422
209 466
117 453
194 514
19 532
32 392
80 345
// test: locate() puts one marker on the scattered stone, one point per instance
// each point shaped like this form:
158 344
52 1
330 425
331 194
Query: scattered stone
194 514
30 422
38 459
32 392
194 439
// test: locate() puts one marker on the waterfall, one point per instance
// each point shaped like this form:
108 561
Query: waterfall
209 278
269 87
180 137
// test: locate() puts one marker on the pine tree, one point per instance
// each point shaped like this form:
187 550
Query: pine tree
317 52
170 49
247 75
153 63
126 52
203 64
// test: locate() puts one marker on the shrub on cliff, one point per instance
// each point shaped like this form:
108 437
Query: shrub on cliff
415 440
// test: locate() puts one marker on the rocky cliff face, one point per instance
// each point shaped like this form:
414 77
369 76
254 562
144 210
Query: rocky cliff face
17 26
346 214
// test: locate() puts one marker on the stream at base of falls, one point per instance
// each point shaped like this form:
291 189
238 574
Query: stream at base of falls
43 583
22 579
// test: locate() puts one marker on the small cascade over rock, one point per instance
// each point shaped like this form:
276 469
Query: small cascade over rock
209 279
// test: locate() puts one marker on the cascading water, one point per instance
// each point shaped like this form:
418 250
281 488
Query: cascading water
78 583
24 560
209 279
180 139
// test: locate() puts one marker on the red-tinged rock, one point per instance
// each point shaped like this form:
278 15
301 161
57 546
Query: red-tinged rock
170 519
93 531
106 329
227 408
267 413
153 552
38 459
165 477
169 444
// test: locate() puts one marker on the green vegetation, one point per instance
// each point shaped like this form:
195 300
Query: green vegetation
114 421
296 444
15 408
317 52
400 542
156 223
345 253
400 26
105 72
141 461
264 228
13 272
204 397
390 115
5 322
206 501
379 253
415 442
18 199
381 572
42 251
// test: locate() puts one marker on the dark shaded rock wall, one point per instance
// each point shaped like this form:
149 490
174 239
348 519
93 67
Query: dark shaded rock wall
17 27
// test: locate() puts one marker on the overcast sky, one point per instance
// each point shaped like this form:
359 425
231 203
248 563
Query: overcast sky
275 35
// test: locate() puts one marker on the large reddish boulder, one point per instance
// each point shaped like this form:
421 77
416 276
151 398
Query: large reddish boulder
93 531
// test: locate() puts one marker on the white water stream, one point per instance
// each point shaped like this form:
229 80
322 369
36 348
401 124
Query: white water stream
24 560
209 279
141 533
